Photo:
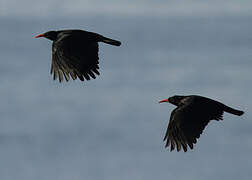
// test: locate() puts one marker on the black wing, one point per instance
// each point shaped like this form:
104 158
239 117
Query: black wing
188 122
75 57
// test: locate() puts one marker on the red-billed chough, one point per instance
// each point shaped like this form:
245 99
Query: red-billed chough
75 53
189 119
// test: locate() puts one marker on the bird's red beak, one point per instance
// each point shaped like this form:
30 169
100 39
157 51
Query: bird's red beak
164 100
40 35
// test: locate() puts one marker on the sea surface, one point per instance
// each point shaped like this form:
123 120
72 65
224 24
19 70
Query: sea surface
111 128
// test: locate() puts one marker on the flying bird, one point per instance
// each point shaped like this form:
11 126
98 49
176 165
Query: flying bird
190 117
75 53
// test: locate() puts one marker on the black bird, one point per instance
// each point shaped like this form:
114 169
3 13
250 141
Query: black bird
75 53
189 119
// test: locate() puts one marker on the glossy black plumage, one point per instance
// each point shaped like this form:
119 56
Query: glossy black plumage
75 53
189 119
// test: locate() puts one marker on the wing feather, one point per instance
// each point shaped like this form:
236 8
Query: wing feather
70 56
187 123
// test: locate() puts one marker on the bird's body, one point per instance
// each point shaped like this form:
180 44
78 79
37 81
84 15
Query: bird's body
75 53
189 119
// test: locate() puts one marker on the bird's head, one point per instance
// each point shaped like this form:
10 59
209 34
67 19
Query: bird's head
52 35
175 100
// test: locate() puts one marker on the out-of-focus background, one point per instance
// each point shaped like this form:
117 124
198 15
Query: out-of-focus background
112 127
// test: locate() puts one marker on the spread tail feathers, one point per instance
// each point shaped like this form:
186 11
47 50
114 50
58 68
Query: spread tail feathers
233 111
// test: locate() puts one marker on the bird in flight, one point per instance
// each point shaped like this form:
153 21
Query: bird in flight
75 53
190 117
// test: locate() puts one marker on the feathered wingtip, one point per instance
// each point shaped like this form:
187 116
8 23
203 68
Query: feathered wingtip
174 139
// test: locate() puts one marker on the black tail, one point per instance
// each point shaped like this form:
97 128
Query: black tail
110 41
233 111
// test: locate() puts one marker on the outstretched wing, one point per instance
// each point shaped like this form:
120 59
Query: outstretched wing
74 57
187 123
